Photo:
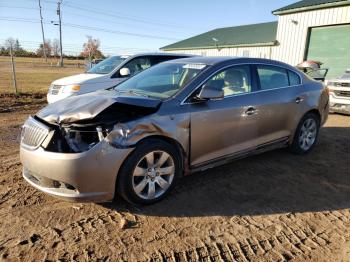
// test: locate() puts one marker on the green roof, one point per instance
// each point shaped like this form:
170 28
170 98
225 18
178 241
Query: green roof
310 5
245 35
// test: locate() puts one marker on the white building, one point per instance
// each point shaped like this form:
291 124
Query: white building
309 29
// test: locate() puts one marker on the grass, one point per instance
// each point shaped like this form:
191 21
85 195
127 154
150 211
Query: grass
34 75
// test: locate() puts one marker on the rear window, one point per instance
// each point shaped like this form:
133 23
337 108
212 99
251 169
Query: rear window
294 79
272 77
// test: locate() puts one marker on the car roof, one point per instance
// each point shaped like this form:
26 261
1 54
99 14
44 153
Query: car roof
160 54
213 60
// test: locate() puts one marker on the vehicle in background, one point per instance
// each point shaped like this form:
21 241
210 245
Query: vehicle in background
175 118
313 69
92 63
339 93
105 74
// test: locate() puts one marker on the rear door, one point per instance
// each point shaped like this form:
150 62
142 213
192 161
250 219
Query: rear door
279 103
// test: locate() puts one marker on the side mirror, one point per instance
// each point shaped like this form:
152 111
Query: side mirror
211 91
124 72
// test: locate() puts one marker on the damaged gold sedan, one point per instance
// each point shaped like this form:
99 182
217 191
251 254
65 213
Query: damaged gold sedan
175 118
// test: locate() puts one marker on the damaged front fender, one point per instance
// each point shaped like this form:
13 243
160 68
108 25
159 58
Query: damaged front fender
129 134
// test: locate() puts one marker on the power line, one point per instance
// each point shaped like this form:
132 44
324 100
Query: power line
25 20
120 15
95 18
123 16
19 7
75 45
77 48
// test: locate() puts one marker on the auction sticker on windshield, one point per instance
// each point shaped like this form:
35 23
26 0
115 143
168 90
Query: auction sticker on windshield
194 66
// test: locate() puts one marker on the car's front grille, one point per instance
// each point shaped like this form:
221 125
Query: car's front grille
342 93
33 133
339 84
54 89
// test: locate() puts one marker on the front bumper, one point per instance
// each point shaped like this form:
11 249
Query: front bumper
339 104
86 176
340 108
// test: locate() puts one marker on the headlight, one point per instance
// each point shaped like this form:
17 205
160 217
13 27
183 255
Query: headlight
70 88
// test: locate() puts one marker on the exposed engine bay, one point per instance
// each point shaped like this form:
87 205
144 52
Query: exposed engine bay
81 135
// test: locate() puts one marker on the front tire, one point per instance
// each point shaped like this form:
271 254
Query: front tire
306 134
149 173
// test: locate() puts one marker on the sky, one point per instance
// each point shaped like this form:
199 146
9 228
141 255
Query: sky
127 26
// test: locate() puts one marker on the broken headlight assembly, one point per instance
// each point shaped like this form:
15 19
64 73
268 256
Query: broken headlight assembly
75 139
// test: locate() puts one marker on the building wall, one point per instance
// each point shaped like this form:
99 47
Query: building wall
293 36
258 52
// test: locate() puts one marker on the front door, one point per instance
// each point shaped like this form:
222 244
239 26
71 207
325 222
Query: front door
220 128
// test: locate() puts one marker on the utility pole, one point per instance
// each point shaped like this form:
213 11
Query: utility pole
60 25
42 30
13 69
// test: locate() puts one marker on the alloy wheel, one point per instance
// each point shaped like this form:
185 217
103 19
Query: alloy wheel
308 133
153 175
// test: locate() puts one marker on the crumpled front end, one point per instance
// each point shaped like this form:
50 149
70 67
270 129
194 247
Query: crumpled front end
76 154
88 175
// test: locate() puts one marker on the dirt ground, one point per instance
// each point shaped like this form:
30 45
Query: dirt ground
272 207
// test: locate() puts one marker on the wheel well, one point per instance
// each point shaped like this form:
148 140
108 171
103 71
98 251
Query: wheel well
312 111
171 141
315 112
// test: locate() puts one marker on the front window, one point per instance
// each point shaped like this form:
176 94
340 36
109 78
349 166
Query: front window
234 80
107 65
161 81
138 64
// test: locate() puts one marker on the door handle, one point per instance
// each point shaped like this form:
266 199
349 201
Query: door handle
298 100
250 111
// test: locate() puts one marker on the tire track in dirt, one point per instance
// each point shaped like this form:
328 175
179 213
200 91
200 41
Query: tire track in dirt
288 245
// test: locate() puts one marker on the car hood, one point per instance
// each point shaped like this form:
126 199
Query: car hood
78 79
88 106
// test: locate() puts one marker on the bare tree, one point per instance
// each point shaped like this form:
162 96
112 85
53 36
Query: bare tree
91 48
10 42
48 49
56 47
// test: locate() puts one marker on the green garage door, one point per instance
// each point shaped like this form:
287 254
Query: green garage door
331 45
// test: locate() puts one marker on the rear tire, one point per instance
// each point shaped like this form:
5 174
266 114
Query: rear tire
149 173
306 134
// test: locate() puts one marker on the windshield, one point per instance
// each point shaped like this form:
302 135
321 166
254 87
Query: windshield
161 81
107 65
